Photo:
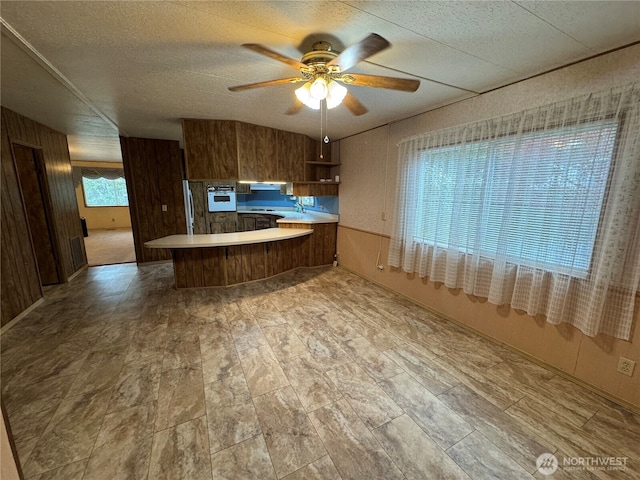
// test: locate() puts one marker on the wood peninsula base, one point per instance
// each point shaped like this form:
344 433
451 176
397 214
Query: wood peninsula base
236 259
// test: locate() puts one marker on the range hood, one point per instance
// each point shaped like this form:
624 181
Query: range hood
265 186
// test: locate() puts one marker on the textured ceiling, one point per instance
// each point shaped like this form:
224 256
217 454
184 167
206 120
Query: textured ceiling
94 70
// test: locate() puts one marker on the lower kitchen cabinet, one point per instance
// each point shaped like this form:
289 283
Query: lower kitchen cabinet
323 241
247 222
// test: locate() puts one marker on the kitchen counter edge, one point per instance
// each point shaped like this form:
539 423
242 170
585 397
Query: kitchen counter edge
228 239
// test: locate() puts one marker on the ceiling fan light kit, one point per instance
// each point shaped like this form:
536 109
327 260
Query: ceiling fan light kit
312 93
321 69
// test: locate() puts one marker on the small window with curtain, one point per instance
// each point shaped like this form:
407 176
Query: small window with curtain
104 187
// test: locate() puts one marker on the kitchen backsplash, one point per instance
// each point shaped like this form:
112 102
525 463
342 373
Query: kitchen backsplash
273 198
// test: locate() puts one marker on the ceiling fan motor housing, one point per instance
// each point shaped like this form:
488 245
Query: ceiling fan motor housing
321 53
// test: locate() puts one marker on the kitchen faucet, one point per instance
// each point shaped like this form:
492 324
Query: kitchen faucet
299 207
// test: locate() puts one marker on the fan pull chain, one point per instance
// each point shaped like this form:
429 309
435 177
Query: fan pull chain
326 122
321 108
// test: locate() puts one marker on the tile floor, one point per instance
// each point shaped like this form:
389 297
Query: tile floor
316 374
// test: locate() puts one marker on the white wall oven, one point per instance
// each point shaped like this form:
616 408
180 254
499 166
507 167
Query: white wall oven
221 198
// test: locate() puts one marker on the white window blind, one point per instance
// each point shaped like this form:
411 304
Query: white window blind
557 179
539 210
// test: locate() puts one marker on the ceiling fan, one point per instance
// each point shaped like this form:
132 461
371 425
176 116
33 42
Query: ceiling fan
321 69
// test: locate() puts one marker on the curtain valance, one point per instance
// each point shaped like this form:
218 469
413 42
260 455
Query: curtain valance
95 173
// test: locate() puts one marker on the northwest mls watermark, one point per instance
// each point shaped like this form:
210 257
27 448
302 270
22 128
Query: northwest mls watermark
548 464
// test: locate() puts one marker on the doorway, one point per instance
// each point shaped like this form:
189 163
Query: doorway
33 182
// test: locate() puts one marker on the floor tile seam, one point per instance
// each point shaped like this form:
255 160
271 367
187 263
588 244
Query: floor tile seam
155 432
31 384
520 386
536 400
251 397
273 467
556 439
552 450
38 475
372 430
531 469
308 419
467 380
345 397
47 427
410 414
261 434
320 436
160 384
446 450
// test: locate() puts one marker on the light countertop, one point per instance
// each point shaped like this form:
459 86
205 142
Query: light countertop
291 216
228 239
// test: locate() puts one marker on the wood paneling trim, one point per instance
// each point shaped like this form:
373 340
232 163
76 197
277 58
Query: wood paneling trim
365 231
20 280
20 283
153 170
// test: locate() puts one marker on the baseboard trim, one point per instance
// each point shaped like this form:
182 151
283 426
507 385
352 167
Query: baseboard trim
78 272
21 315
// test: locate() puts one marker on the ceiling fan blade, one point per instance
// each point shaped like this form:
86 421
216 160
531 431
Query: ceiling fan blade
354 105
295 107
357 52
275 55
377 81
268 83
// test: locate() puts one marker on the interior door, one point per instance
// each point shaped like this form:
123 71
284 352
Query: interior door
32 183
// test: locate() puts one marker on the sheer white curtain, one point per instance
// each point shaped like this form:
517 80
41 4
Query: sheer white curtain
539 210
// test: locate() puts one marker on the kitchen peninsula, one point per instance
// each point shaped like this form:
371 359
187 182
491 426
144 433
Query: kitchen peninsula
214 260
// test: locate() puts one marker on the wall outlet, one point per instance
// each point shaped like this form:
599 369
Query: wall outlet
626 366
380 267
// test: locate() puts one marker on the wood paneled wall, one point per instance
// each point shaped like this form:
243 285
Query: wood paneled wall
20 279
153 170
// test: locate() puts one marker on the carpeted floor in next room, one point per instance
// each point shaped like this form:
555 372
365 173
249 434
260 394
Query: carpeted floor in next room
109 247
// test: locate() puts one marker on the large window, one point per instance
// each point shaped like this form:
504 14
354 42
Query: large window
537 209
540 202
103 192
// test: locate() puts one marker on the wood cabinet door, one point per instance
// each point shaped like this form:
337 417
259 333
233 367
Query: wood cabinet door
291 156
257 153
248 223
210 149
197 149
225 149
323 246
263 222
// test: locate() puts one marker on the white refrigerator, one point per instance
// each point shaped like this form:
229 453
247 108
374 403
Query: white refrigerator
188 206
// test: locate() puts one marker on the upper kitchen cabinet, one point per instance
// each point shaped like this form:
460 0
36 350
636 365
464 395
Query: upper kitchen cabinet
230 151
292 148
211 149
257 153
